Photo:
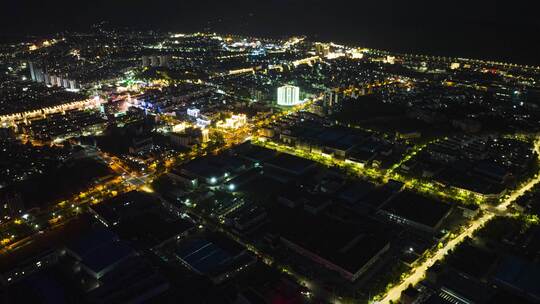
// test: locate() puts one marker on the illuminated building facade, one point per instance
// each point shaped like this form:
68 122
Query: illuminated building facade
234 122
155 61
193 112
203 122
322 49
288 95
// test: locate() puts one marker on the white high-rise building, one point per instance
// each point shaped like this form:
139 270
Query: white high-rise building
288 95
154 61
53 80
73 84
47 79
32 72
58 81
165 60
145 61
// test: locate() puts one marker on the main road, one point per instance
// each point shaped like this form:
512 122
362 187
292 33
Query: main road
419 272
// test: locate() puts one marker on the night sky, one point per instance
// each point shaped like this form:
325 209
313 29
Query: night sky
505 30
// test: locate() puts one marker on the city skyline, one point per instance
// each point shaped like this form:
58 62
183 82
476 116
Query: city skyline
298 152
480 29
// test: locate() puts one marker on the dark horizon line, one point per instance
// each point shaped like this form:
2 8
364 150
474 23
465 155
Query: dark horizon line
345 39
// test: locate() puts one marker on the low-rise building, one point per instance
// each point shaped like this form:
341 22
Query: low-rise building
417 211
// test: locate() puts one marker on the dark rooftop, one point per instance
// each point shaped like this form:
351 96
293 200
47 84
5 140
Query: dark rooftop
347 246
256 153
291 163
203 255
519 275
91 240
149 230
106 255
417 208
125 206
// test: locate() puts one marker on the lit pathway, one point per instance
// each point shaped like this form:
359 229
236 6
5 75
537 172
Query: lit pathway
419 272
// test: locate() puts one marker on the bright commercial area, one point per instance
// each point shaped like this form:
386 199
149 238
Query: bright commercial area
199 167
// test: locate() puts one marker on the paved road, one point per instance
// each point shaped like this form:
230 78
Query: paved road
419 272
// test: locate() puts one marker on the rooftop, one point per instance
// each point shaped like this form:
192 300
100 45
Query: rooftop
417 208
291 163
107 255
520 275
125 206
91 240
149 229
203 255
348 246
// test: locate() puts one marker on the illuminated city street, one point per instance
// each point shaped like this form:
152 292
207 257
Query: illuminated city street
241 153
419 271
